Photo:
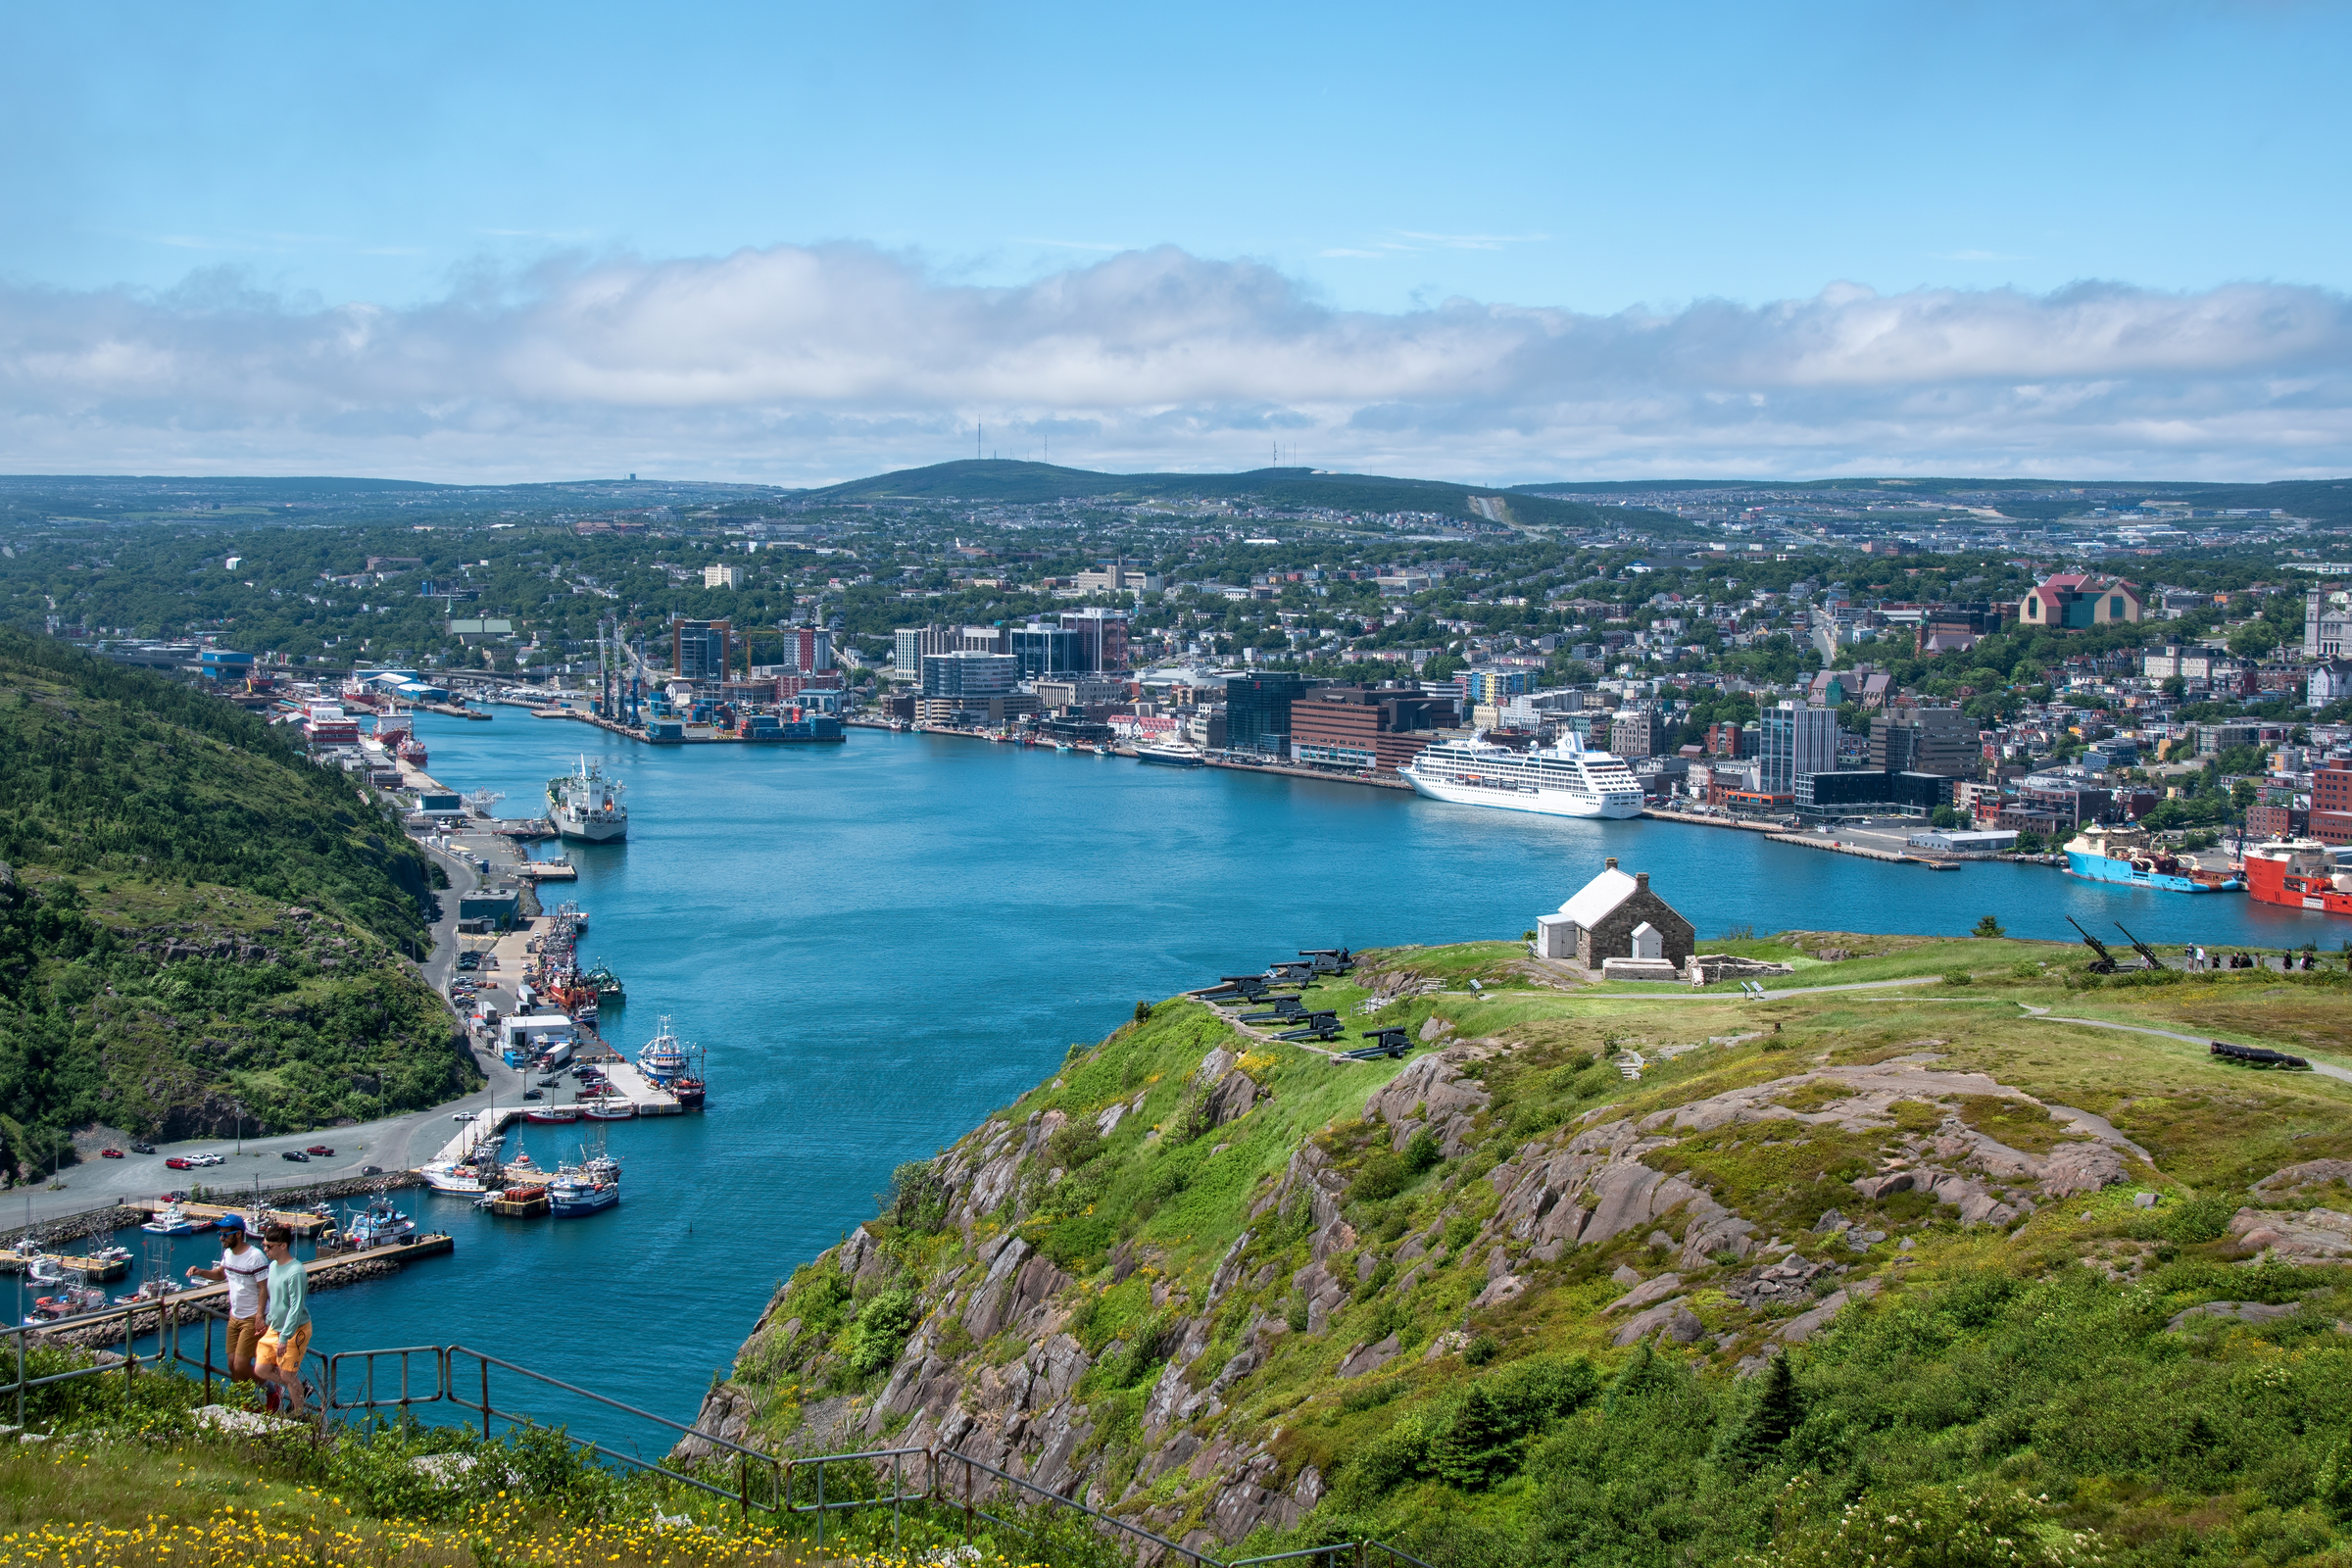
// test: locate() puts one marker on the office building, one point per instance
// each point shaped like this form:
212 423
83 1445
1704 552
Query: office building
1364 727
722 576
1117 577
1102 638
2331 819
967 674
1258 712
1638 731
1048 653
2078 601
1795 739
1926 740
701 650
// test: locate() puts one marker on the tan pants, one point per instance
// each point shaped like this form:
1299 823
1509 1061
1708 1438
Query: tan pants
244 1337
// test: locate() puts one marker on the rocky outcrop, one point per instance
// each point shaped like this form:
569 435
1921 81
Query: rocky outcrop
2312 1234
1430 1093
2311 1173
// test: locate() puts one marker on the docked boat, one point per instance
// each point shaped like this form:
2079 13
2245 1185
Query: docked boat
1168 755
380 1225
553 1115
689 1093
452 1176
173 1220
662 1058
605 983
1564 780
2300 874
612 1109
575 1196
585 805
2126 856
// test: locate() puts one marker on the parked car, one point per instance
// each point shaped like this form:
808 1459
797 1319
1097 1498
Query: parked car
319 1149
295 1153
142 1149
548 1082
461 1115
110 1154
207 1158
371 1170
532 1093
179 1163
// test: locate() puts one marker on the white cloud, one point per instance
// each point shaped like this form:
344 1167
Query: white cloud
798 363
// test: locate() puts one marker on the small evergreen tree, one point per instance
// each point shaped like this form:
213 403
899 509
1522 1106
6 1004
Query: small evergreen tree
1754 1438
1480 1447
1989 927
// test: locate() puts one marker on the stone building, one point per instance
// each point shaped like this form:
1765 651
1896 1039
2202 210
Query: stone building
1599 922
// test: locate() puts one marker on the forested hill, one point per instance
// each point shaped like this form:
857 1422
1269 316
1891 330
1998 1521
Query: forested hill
195 923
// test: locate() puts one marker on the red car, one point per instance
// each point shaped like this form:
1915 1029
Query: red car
318 1148
110 1154
177 1163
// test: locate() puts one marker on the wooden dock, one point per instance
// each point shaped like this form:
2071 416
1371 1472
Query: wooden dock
300 1223
102 1270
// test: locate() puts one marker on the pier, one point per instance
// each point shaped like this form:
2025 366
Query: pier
301 1223
100 1270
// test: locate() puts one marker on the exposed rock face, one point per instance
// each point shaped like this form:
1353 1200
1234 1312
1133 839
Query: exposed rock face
1430 1093
2311 1173
2315 1235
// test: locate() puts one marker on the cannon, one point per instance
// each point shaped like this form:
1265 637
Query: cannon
2146 952
1318 1026
1390 1043
1287 1009
2257 1056
1328 960
2104 964
1284 970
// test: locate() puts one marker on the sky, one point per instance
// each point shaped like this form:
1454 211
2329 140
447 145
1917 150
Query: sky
1496 243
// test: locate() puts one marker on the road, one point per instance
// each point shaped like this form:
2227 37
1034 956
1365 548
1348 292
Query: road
392 1143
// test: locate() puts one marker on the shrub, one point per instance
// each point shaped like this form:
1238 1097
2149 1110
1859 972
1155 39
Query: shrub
1421 1151
1383 1175
1481 1350
1957 977
1989 927
1143 1013
880 1332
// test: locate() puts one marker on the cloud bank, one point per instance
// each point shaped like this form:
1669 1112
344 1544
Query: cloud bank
800 365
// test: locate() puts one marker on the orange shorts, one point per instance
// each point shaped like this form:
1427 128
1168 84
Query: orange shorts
244 1333
283 1353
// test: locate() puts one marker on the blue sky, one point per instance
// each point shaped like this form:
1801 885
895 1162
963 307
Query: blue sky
197 194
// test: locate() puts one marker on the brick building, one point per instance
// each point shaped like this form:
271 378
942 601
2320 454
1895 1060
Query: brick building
1356 727
2332 801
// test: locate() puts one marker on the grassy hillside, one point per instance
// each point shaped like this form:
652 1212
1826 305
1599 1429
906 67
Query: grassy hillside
195 921
1836 1279
1036 482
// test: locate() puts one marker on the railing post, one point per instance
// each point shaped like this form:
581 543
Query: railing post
967 1500
743 1490
820 1504
485 1360
208 1357
19 1376
898 1488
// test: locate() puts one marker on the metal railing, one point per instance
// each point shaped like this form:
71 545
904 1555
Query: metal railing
459 1377
172 1316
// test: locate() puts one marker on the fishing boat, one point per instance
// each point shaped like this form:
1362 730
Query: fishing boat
553 1115
452 1176
154 1288
2128 857
605 983
171 1220
689 1093
380 1225
662 1058
575 1195
612 1109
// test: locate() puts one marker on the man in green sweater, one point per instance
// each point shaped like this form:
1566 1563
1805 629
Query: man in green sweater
278 1358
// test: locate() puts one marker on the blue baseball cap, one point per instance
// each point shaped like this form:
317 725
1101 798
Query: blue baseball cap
229 1222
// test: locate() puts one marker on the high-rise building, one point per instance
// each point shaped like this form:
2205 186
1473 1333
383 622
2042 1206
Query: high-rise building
1048 652
981 640
908 645
701 650
966 673
1925 740
1796 739
1258 710
807 650
1102 637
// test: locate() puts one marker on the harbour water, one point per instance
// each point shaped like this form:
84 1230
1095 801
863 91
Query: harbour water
880 942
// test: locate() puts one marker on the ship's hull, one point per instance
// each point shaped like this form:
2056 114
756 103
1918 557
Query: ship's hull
1170 759
449 1181
2267 882
570 1203
2103 869
589 829
1517 798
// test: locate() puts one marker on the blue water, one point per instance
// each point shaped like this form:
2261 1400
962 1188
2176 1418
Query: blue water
881 941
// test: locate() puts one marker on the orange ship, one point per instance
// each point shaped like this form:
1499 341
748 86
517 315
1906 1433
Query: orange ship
2298 873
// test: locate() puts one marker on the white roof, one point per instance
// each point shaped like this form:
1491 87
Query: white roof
1598 897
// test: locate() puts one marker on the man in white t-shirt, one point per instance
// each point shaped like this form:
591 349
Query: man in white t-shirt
247 1272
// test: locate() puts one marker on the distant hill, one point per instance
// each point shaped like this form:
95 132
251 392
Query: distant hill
1002 481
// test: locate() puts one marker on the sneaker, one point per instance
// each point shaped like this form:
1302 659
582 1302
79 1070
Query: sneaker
270 1398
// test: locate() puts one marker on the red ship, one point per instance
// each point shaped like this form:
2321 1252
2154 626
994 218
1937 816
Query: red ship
2299 874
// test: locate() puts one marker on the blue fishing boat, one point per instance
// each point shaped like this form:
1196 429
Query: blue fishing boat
2126 856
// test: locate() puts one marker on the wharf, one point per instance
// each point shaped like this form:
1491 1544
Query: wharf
1803 842
301 1224
453 710
1777 834
1369 781
630 1086
104 1270
1695 819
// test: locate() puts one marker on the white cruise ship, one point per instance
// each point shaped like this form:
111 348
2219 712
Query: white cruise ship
586 805
1567 780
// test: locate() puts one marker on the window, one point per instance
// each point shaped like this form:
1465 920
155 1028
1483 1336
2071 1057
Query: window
2115 607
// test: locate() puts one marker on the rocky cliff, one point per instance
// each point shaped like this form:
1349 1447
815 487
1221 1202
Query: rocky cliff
1233 1288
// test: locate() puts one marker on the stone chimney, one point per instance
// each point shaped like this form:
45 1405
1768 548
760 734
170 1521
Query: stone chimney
1640 881
1612 862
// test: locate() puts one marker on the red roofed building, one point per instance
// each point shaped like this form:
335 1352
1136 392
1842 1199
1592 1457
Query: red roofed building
2078 601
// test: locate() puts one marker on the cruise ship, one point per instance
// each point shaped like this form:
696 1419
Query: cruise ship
1567 780
585 805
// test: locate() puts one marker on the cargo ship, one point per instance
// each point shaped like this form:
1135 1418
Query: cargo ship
2300 874
2126 856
